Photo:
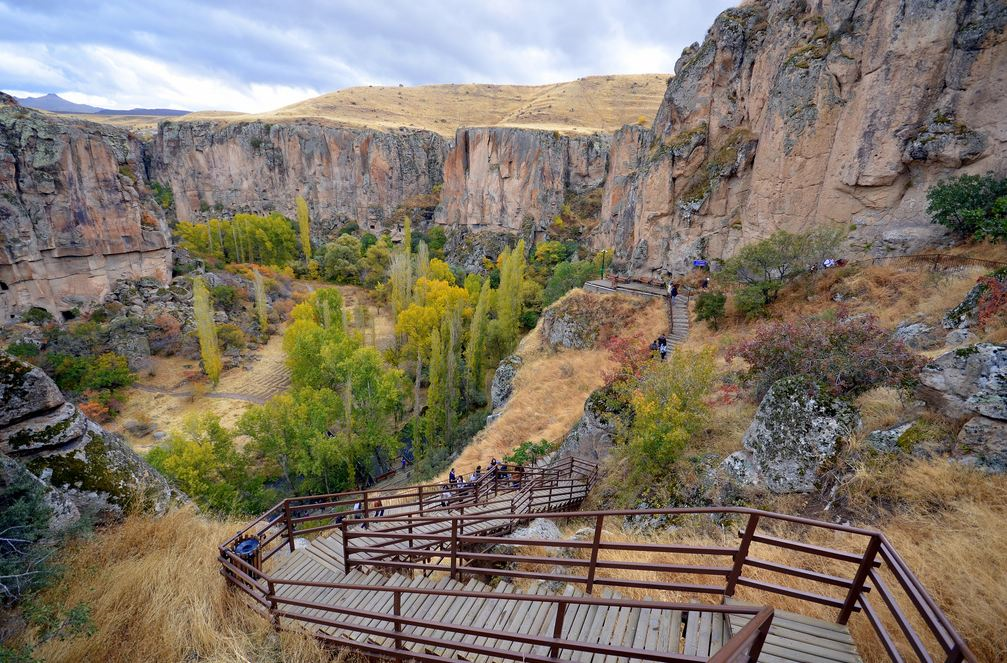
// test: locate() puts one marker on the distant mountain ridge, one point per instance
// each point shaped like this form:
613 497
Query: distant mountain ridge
57 104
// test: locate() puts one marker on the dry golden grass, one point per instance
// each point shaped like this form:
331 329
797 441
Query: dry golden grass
155 595
587 105
551 386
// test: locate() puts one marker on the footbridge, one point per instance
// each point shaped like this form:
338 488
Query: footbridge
446 573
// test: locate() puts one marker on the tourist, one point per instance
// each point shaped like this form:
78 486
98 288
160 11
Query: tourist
358 513
673 292
662 346
445 496
706 283
451 476
379 509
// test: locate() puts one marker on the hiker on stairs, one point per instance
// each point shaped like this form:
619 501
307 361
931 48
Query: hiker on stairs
662 347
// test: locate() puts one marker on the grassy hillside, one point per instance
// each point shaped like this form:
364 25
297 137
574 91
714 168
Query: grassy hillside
587 105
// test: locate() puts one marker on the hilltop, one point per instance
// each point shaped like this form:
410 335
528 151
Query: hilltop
586 105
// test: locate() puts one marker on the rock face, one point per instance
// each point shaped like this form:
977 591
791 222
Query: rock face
76 213
593 436
796 429
793 115
514 181
344 174
87 469
503 381
970 384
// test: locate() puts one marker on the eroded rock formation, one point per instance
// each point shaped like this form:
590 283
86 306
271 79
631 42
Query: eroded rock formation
76 212
793 114
345 175
87 469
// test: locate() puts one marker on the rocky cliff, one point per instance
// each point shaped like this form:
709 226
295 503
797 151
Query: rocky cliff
76 212
515 180
84 468
793 114
345 174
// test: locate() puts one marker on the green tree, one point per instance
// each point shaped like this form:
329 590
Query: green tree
341 262
375 263
476 347
304 225
261 304
710 307
436 398
971 205
768 264
668 408
509 302
422 261
206 330
566 277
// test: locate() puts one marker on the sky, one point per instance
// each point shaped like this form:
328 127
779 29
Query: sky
254 56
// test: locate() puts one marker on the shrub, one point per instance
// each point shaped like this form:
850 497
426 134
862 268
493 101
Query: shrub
24 521
95 411
231 336
751 302
36 315
529 453
848 355
22 349
107 371
566 277
971 205
992 305
710 307
225 296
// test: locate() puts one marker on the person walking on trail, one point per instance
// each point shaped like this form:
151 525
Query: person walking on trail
451 476
673 292
706 283
358 513
662 346
379 509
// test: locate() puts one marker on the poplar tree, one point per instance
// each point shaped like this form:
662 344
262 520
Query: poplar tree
477 340
436 394
261 306
454 326
422 261
509 294
407 236
304 223
206 330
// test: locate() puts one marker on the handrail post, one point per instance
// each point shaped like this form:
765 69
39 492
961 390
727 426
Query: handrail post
346 547
273 616
366 509
419 493
859 579
290 525
741 555
397 611
454 547
594 553
557 629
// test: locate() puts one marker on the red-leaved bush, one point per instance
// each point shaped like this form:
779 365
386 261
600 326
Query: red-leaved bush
848 355
629 354
992 306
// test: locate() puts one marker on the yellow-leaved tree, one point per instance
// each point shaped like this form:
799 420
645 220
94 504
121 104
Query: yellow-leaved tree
206 330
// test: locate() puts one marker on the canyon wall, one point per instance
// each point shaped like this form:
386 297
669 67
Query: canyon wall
795 114
76 212
345 175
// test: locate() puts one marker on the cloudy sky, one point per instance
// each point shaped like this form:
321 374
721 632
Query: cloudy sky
256 55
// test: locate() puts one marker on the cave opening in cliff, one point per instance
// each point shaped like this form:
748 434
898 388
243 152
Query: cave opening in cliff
68 315
4 287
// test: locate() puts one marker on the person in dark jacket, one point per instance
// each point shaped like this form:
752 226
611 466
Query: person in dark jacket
662 346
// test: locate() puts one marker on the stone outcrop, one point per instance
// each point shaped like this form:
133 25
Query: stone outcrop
76 213
793 115
503 381
345 175
970 384
593 436
85 468
514 181
796 430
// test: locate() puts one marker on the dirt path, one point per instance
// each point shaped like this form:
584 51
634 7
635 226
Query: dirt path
166 399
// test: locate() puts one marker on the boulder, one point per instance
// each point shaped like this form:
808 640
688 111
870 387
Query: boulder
918 335
797 428
503 381
968 381
592 437
887 441
958 337
86 469
983 443
540 529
